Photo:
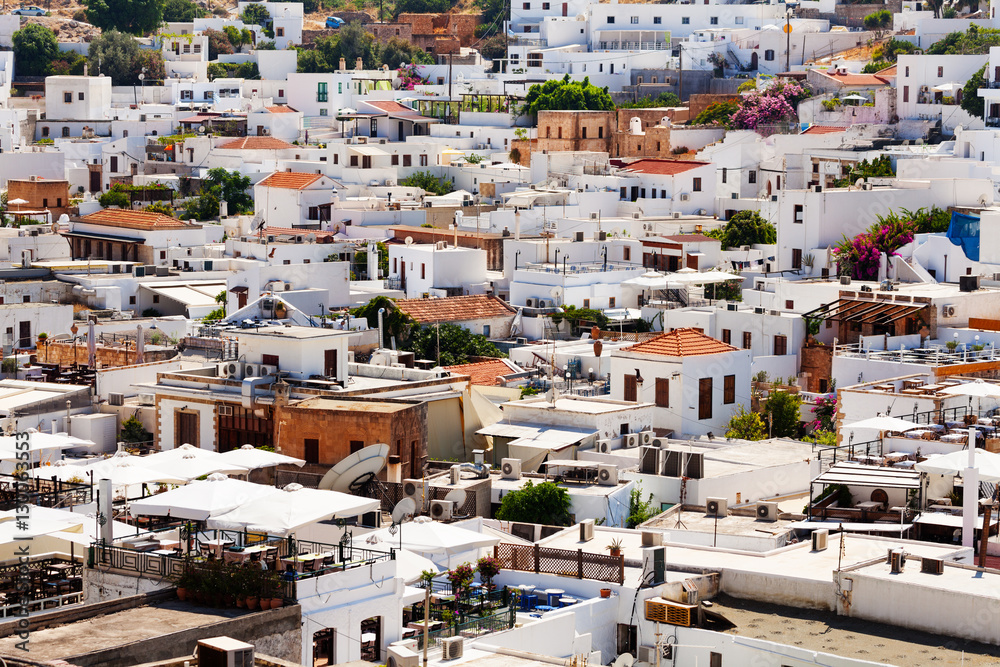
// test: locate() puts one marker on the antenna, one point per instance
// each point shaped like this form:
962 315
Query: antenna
356 471
456 496
408 240
624 660
404 510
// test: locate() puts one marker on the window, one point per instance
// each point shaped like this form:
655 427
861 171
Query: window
321 92
311 453
366 161
611 302
67 98
354 160
187 95
559 129
269 359
423 271
423 160
357 445
906 94
600 132
131 300
752 176
627 253
545 6
65 131
407 161
725 174
940 72
685 20
729 389
486 330
526 5
623 193
314 213
747 340
657 20
714 20
906 72
394 160
705 398
45 202
799 210
780 345
769 54
727 336
630 388
796 258
340 88
197 48
739 20
45 131
789 304
586 303
279 32
635 20
336 159
156 298
696 185
611 19
79 96
583 133
324 112
662 393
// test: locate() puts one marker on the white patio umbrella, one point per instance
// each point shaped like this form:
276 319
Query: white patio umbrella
39 440
252 458
124 469
978 388
426 536
947 87
17 202
854 97
956 462
410 566
648 280
200 500
689 276
190 467
884 423
189 453
295 506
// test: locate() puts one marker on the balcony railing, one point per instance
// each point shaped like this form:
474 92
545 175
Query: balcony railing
935 355
577 564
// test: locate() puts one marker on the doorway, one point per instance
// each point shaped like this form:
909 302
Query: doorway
402 135
371 639
323 647
753 61
186 428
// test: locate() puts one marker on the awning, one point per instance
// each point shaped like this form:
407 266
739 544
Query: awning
864 311
855 474
240 289
367 150
550 436
103 237
948 520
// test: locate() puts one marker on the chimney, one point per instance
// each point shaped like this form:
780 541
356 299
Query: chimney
343 65
394 469
85 69
359 65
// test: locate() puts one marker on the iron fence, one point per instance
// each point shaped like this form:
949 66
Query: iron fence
577 564
131 560
502 620
42 492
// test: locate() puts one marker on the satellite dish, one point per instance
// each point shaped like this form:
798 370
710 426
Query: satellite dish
556 292
858 183
404 509
408 240
624 660
456 496
356 470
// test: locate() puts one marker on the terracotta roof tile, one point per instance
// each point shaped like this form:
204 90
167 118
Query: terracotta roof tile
291 180
483 372
664 167
825 129
682 343
321 236
119 217
848 79
689 238
455 308
281 108
256 143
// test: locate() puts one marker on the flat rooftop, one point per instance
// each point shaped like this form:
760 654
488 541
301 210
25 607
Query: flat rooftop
700 522
574 404
728 458
298 333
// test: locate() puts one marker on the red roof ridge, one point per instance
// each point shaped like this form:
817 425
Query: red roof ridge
255 143
456 308
686 342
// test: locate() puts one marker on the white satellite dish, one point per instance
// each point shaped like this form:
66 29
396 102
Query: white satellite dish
859 183
404 510
556 292
408 240
456 496
355 470
624 660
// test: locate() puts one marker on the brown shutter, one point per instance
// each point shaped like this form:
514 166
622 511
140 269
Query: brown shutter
705 398
729 389
780 345
630 385
662 393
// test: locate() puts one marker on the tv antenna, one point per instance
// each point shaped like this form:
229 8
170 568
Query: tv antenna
357 473
401 513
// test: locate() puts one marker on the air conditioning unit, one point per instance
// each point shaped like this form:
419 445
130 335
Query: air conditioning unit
593 215
659 442
685 197
647 654
264 371
845 280
531 302
677 214
147 399
587 530
652 538
603 446
767 511
442 509
718 507
646 437
270 238
948 310
607 475
230 370
654 564
251 371
649 460
732 307
415 489
411 644
452 648
931 565
510 469
631 440
636 215
224 652
820 539
735 195
665 611
398 656
897 560
115 398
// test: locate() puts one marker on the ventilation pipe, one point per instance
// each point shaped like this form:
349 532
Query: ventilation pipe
381 338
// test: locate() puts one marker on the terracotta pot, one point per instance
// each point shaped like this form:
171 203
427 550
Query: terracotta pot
616 552
182 594
605 592
241 602
277 603
265 603
252 602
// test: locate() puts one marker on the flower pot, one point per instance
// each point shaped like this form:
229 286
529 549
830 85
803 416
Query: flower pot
241 602
265 604
605 592
277 603
182 593
616 552
252 602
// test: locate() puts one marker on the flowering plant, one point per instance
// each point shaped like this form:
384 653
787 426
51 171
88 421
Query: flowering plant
409 78
824 408
488 567
460 577
861 256
773 104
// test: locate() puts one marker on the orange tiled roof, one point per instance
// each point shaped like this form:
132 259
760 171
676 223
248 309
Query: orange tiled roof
664 167
825 129
320 235
120 217
483 372
847 79
682 343
256 143
281 108
291 180
455 308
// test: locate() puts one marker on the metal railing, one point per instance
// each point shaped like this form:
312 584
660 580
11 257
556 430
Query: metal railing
132 560
42 604
936 355
580 267
502 620
42 492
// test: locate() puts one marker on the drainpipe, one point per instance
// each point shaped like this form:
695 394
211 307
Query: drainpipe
380 337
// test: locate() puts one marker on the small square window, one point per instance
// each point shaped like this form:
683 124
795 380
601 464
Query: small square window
80 96
635 20
685 20
526 5
611 19
657 20
714 20
67 97
739 20
324 112
545 6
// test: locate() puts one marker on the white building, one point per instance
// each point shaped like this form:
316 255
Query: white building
77 98
294 199
437 269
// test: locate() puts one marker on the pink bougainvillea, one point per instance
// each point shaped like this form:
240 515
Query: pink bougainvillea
773 104
861 256
409 78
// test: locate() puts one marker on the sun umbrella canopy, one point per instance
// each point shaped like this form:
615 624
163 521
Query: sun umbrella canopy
192 467
200 500
411 566
39 440
987 463
252 458
947 87
883 423
425 536
978 388
689 276
648 280
854 97
183 452
124 469
295 506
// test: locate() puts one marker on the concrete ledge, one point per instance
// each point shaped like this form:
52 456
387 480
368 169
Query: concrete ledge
75 613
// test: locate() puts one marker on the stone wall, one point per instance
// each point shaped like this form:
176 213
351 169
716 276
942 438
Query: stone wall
575 131
851 15
41 194
67 354
524 148
817 361
698 103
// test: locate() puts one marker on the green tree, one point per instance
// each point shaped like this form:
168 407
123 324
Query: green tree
746 425
782 412
878 22
361 259
136 17
397 51
221 185
564 94
746 228
256 14
493 14
974 41
448 343
971 102
351 42
639 510
35 47
717 114
218 43
661 100
119 57
395 322
421 7
545 503
429 182
880 167
134 431
181 11
68 63
494 48
116 196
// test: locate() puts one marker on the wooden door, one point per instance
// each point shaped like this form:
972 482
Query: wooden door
330 363
186 429
24 334
705 398
630 388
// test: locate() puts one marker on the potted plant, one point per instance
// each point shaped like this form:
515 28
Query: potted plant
274 588
459 578
605 592
615 547
184 582
487 567
253 591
